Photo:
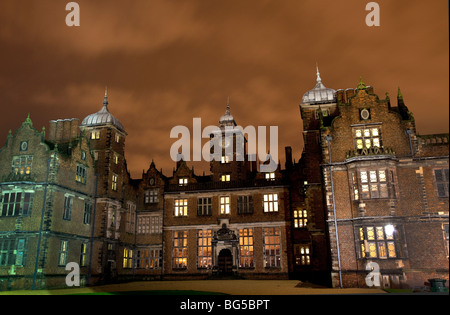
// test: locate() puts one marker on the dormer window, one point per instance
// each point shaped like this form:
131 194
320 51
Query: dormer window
225 178
225 159
183 181
95 135
270 176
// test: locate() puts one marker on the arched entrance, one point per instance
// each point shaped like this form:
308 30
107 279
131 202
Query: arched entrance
225 261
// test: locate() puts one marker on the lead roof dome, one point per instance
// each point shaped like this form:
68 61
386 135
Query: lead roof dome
102 117
319 94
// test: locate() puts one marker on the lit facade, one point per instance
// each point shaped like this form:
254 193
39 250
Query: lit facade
364 169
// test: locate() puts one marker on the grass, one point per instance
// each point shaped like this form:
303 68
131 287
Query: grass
152 292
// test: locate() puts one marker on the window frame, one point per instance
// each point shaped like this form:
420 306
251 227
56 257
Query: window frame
68 207
376 243
300 218
270 203
204 208
302 254
443 182
81 174
180 207
246 248
225 205
367 139
272 247
22 164
204 249
180 249
245 204
63 252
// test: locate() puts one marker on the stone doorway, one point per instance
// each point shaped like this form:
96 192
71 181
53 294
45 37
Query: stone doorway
225 261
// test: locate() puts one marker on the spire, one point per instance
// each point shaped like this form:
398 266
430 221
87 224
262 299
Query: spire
228 106
319 80
105 99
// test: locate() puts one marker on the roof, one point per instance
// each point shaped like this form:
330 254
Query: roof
102 117
319 94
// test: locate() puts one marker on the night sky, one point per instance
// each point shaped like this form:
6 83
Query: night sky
167 61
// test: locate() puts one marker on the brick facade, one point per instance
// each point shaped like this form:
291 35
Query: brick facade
363 166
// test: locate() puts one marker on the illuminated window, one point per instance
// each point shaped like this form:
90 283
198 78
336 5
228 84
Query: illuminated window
83 254
366 138
244 204
204 206
116 158
63 252
142 259
270 176
21 165
302 254
225 177
180 207
272 247
127 258
270 203
183 181
300 218
246 248
375 185
204 248
225 159
81 173
224 205
155 259
117 138
441 177
378 242
95 135
179 249
115 178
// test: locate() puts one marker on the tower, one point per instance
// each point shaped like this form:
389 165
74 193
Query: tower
232 162
107 141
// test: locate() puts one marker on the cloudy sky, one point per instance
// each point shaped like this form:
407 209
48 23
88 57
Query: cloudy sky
168 61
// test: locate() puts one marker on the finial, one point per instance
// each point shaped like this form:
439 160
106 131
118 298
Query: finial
399 95
319 80
28 120
228 106
105 99
361 85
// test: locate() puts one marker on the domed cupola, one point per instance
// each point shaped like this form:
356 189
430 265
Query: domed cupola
320 94
102 117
